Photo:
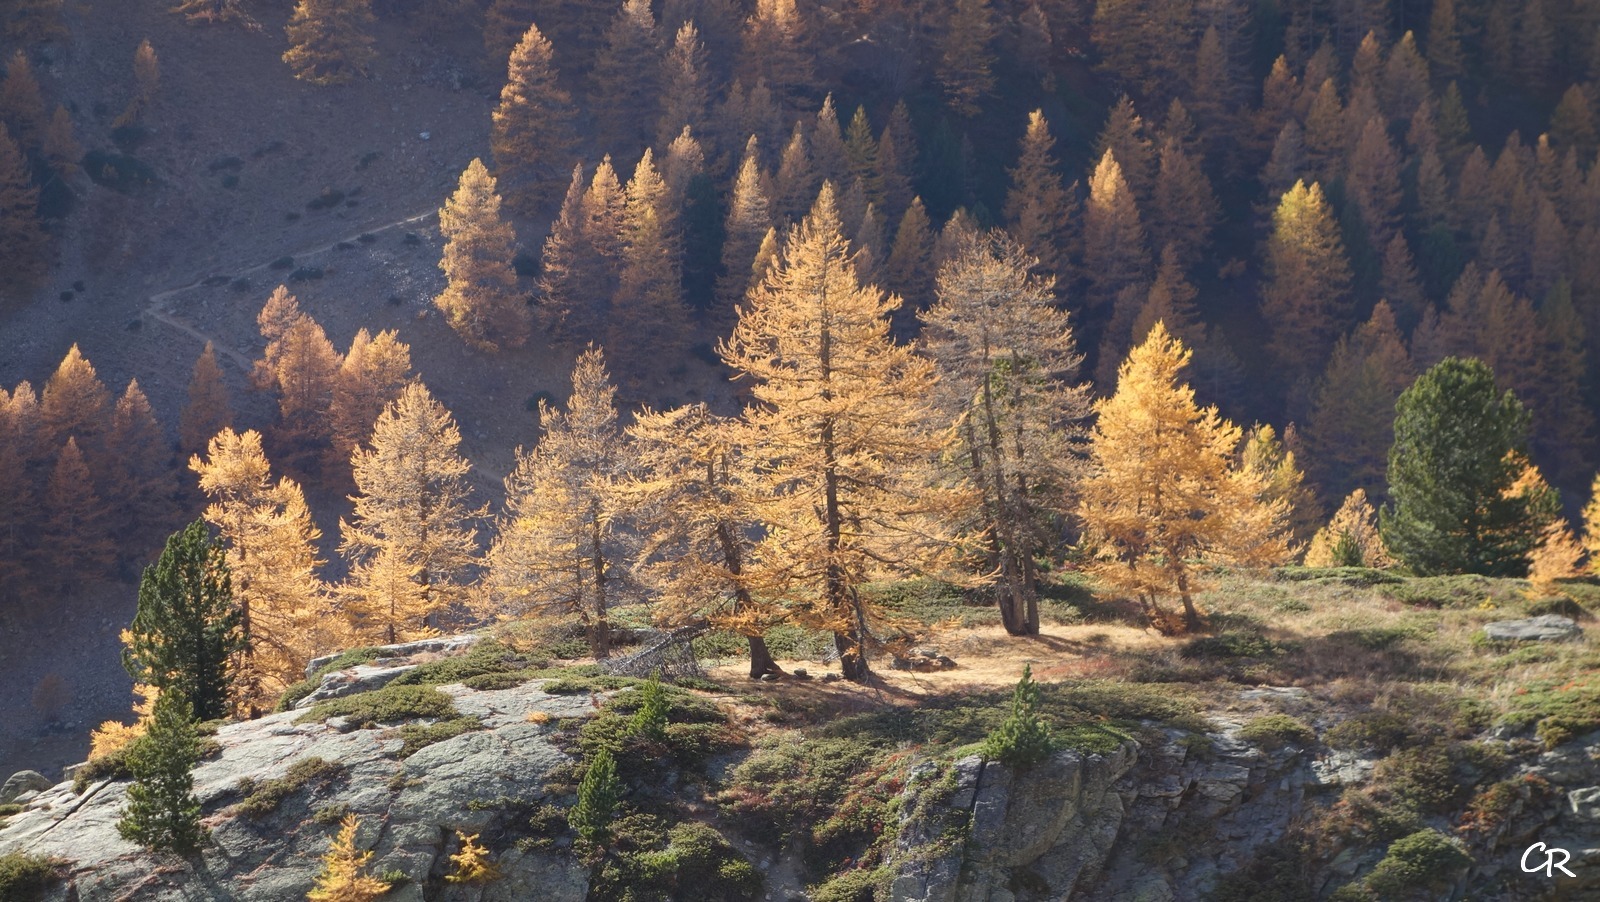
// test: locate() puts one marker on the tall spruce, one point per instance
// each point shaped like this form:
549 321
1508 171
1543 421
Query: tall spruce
187 629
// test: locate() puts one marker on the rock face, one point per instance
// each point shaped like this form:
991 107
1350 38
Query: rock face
1548 628
409 810
21 783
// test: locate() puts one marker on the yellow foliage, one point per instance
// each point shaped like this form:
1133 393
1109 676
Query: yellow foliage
1557 557
1591 521
472 862
343 877
1355 523
114 735
1163 494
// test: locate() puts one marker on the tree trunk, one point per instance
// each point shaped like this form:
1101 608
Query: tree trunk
1191 617
761 661
851 662
600 634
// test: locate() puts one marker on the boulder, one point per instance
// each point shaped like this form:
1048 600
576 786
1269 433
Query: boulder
23 781
441 645
923 660
353 680
1548 628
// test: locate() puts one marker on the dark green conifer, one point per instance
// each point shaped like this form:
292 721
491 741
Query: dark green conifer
162 813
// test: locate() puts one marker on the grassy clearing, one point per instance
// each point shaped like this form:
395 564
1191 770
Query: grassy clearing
391 704
262 799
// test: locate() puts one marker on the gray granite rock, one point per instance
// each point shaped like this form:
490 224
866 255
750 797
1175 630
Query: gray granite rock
1547 628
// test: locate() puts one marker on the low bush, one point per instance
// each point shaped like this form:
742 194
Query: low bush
856 885
415 736
24 878
488 657
1278 730
389 705
688 862
1231 645
262 799
1420 865
1558 710
305 687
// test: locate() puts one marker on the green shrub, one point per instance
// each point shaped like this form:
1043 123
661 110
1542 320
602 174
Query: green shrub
650 719
390 705
1422 778
261 799
1559 710
330 815
854 886
305 687
696 862
1231 645
598 796
1458 591
1278 873
488 657
1379 731
1278 730
24 878
1023 740
1350 576
415 736
1421 864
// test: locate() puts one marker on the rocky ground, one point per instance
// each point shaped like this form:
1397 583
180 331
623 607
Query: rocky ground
1201 784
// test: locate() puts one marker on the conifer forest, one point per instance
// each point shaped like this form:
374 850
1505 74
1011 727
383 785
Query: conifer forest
764 369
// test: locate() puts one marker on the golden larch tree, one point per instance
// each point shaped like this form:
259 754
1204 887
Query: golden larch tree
1038 208
688 495
686 89
648 308
74 538
271 545
146 81
480 300
300 363
374 372
965 68
329 42
1591 521
840 410
344 876
1008 389
1306 300
531 131
22 453
1163 498
76 404
411 535
1351 538
208 410
556 550
749 218
1116 256
22 236
776 48
626 98
1352 415
141 483
22 106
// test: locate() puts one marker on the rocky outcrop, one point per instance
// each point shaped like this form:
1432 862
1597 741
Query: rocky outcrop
1548 628
409 810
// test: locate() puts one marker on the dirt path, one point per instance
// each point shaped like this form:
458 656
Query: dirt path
155 306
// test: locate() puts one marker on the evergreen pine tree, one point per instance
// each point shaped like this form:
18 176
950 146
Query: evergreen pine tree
599 794
1452 476
187 630
1184 209
480 300
162 813
1023 738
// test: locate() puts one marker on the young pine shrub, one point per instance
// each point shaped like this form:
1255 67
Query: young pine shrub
163 814
1023 740
650 721
598 796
